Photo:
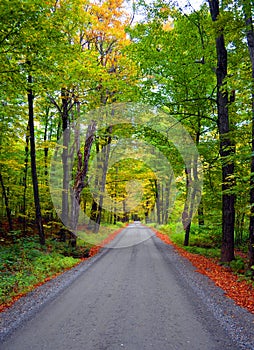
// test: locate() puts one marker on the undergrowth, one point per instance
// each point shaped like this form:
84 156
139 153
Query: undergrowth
24 263
206 241
203 241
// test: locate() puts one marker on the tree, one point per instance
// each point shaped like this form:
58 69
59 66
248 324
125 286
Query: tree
227 148
30 98
174 55
19 50
82 170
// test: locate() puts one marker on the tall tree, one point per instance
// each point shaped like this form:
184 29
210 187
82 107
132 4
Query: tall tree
30 98
226 145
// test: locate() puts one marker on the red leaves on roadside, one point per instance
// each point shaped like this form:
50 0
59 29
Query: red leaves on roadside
241 292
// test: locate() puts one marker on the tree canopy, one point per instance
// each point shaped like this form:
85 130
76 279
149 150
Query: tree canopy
63 60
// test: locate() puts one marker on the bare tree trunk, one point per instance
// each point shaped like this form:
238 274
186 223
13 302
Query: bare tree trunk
33 162
226 146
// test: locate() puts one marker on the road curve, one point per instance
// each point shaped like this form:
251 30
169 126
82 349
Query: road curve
132 298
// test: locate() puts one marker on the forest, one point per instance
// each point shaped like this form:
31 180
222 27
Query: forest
115 111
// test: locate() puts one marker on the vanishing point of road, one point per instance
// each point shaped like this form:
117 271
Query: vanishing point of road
140 295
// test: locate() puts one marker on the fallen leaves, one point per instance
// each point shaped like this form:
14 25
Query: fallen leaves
240 291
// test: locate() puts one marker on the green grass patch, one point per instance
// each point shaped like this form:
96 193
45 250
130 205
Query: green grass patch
87 238
203 241
208 252
25 263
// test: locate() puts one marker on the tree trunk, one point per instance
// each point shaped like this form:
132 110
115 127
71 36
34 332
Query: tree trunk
187 234
105 153
6 200
25 178
190 202
65 153
167 194
186 220
125 214
30 98
226 146
192 180
162 204
93 215
250 40
46 150
82 170
158 203
201 221
115 196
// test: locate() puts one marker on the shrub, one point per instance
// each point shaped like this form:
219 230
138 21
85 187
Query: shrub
237 265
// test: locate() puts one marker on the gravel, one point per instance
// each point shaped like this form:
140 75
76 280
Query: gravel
238 322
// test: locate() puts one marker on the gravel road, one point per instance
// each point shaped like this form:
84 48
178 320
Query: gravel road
136 294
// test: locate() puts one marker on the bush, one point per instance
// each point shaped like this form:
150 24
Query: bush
237 265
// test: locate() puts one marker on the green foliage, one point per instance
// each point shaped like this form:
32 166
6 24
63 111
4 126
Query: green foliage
168 60
208 252
203 240
26 263
174 231
237 265
65 249
205 236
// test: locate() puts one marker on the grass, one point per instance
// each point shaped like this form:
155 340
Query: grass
202 241
90 238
